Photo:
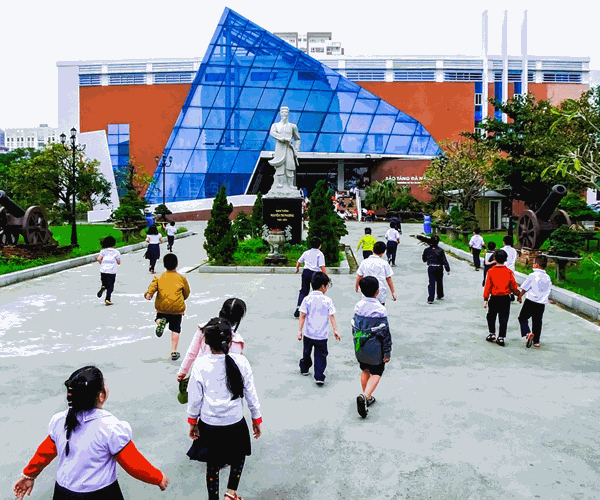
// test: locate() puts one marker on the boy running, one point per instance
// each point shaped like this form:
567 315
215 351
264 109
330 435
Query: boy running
367 242
314 261
476 244
108 259
173 289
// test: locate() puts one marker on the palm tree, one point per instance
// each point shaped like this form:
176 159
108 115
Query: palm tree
381 194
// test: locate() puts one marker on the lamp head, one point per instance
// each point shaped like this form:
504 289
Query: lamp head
63 138
73 133
157 159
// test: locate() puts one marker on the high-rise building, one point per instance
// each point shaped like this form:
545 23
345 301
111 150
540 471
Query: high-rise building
316 44
36 137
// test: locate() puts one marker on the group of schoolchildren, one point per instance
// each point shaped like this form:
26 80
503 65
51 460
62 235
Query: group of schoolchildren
90 441
500 289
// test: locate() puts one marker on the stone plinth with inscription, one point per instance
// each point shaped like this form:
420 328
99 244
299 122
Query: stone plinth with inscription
278 213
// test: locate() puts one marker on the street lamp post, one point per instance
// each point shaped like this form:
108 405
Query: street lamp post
74 148
161 161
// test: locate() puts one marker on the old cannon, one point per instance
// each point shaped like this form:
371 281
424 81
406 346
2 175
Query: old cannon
535 227
31 223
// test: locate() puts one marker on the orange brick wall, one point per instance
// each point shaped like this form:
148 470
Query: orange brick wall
444 109
151 111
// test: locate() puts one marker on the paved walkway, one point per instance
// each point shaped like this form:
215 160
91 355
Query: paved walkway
456 417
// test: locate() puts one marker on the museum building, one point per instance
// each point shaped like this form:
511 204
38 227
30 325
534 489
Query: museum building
360 119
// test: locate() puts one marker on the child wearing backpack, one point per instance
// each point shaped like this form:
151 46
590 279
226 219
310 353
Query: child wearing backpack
372 341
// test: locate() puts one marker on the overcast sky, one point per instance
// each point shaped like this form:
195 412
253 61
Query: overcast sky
36 34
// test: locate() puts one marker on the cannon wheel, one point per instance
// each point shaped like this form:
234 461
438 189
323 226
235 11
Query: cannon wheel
528 229
6 237
560 218
35 227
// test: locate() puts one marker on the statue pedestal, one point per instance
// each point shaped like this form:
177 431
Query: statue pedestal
278 213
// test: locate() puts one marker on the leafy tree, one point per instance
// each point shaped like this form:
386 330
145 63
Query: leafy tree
577 208
161 212
47 179
528 144
406 201
464 166
381 194
6 167
221 241
580 120
257 215
325 223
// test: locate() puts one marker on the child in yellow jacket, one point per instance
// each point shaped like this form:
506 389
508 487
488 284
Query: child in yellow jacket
367 242
173 289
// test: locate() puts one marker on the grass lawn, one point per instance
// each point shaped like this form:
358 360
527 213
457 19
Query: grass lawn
252 252
88 238
582 278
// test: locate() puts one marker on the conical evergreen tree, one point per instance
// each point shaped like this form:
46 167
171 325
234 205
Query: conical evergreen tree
221 241
257 216
325 223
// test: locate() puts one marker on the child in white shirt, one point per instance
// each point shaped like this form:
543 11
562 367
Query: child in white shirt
108 259
538 286
313 261
170 235
476 244
316 311
219 383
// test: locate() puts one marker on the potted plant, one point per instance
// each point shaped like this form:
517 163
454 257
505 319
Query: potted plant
161 212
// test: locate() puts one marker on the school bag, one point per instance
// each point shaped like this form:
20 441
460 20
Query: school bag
368 337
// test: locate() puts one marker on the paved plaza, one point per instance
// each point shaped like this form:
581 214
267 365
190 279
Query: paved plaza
456 417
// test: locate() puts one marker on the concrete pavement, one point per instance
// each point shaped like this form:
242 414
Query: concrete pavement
456 417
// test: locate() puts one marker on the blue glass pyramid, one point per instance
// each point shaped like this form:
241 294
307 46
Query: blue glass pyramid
246 75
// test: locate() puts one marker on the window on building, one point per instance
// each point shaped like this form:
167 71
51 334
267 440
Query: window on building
561 77
359 75
414 76
463 76
118 146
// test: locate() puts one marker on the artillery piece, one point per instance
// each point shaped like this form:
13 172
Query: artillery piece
31 223
534 228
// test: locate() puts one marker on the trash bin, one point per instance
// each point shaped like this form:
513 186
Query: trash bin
149 219
427 224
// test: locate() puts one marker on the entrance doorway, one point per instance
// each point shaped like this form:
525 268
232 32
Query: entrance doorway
494 214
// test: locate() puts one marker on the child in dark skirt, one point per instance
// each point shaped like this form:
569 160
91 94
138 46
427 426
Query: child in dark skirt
153 253
218 384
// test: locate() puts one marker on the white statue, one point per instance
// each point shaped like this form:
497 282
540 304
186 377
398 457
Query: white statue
285 160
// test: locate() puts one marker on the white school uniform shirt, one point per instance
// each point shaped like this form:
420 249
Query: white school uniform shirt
171 230
380 269
154 239
317 307
538 286
90 465
208 396
110 259
392 235
313 259
476 242
512 257
370 307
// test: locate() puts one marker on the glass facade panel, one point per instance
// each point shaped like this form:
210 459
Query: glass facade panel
352 143
118 147
335 122
359 123
246 75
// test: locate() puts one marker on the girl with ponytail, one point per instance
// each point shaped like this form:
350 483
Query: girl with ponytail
219 382
89 442
233 310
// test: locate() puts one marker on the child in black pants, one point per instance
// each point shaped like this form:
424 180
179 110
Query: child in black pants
538 286
436 261
500 283
108 259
